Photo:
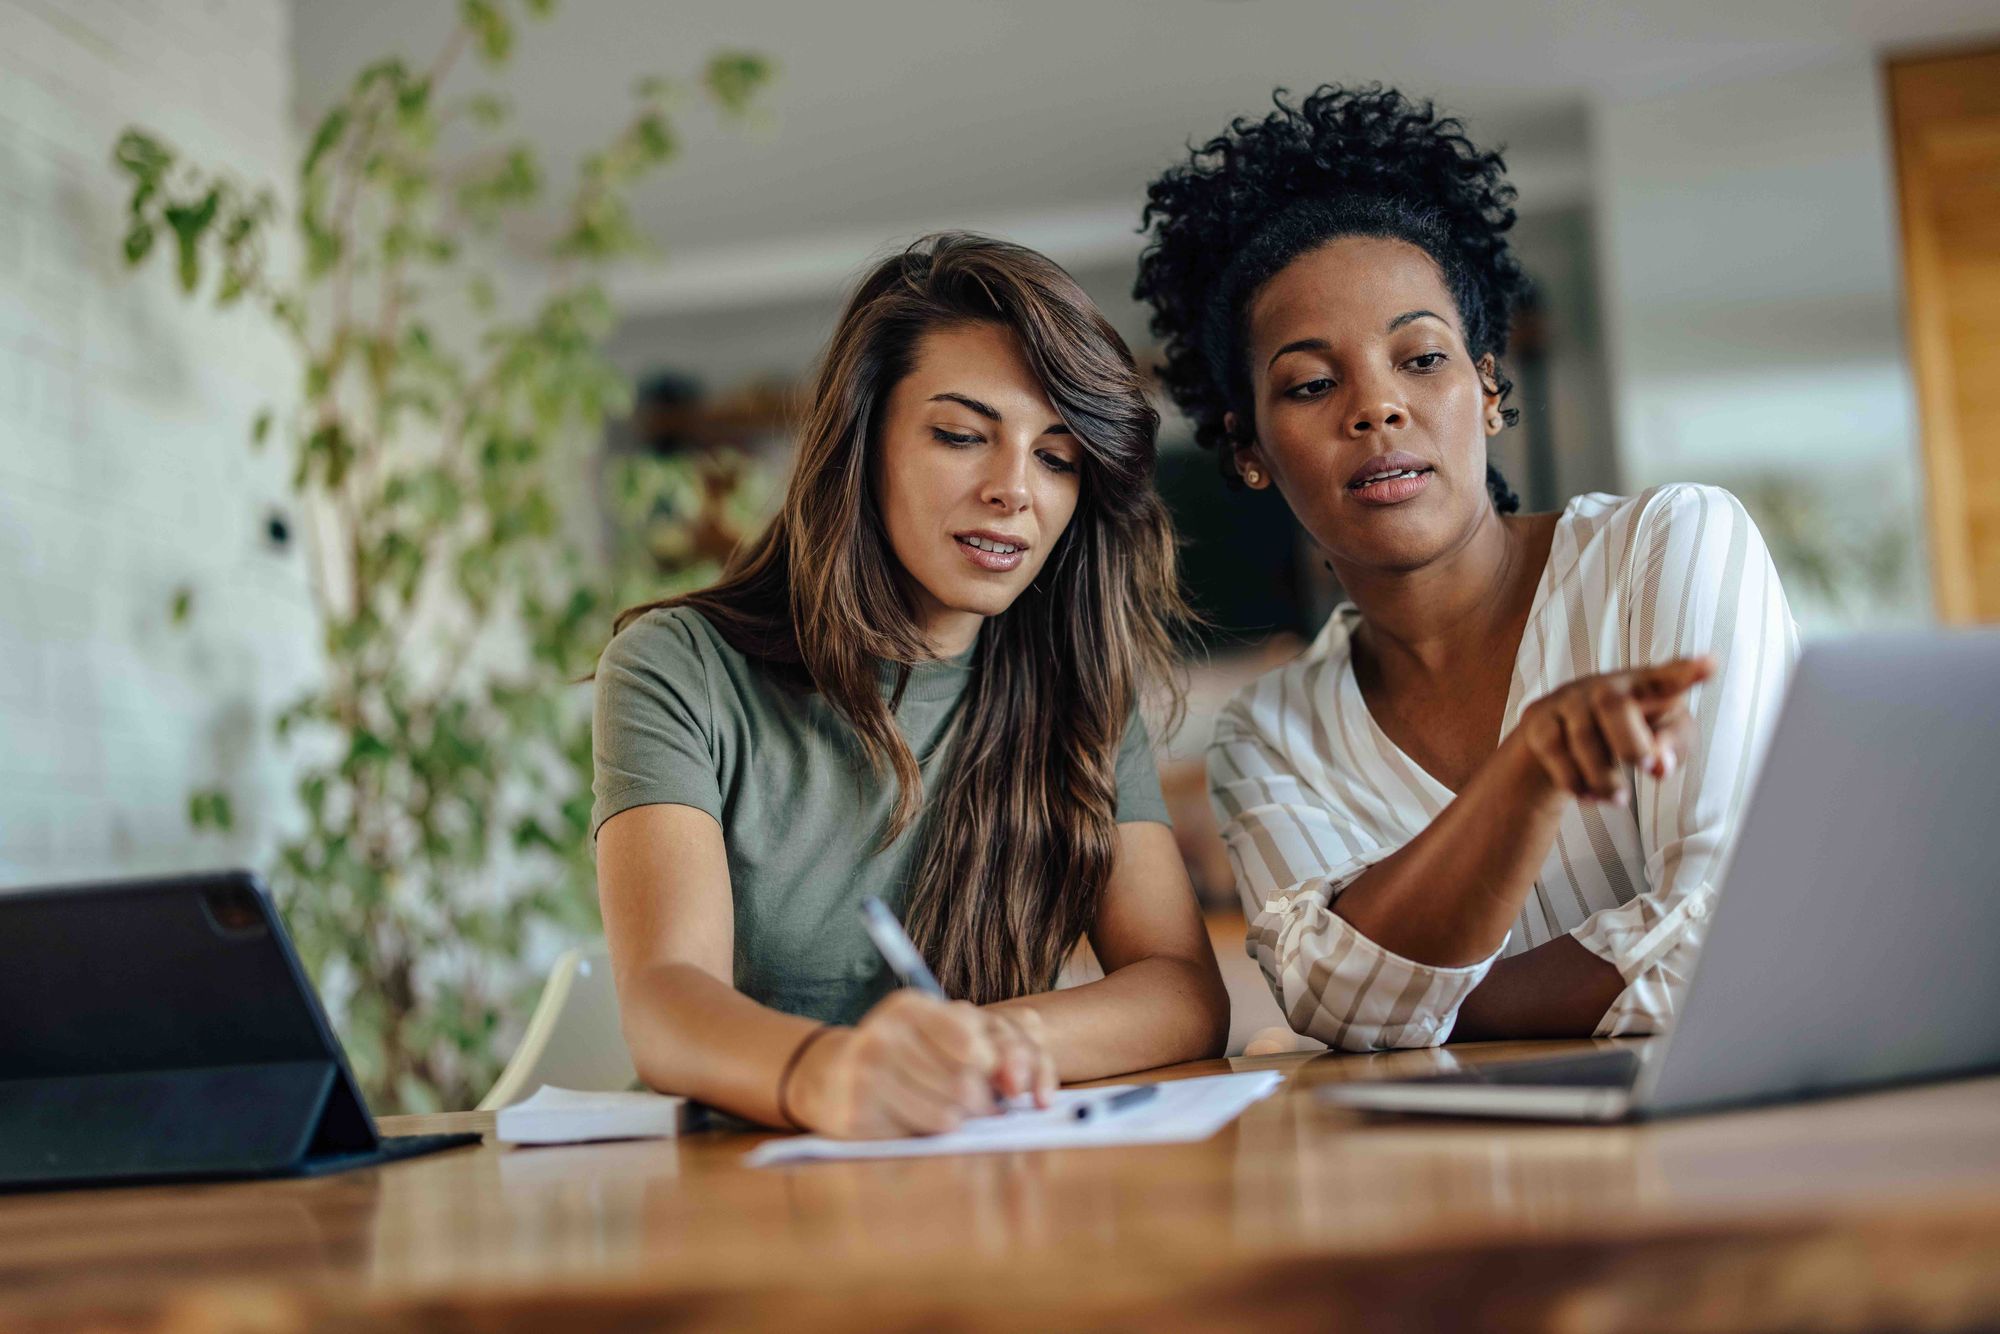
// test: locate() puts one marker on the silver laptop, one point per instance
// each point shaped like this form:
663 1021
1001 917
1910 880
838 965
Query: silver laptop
1856 943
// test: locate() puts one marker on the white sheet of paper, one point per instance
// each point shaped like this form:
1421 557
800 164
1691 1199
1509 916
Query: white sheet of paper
1186 1110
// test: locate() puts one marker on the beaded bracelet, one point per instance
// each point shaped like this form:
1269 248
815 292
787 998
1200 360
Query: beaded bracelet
791 1064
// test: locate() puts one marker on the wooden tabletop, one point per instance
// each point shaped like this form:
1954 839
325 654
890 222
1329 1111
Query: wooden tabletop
1856 1213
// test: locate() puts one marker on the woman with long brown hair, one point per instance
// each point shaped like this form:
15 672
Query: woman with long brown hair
921 682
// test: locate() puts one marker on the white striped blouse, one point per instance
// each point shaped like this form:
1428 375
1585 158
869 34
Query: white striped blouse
1310 792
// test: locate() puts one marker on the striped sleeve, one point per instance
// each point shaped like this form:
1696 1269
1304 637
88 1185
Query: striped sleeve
1293 854
1700 581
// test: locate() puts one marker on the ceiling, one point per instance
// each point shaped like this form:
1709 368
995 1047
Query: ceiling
1045 118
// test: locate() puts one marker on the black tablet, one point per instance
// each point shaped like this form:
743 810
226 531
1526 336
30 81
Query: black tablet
164 1030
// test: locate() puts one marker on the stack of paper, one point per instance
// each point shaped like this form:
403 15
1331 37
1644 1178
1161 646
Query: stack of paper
565 1116
1185 1110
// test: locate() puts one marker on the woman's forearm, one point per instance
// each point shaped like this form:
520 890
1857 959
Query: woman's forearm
1558 989
1448 897
1156 1011
693 1034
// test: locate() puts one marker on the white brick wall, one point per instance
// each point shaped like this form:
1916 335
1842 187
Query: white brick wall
125 470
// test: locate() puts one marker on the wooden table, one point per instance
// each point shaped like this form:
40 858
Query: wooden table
1857 1213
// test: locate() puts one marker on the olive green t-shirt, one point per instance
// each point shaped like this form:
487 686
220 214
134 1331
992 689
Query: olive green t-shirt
683 718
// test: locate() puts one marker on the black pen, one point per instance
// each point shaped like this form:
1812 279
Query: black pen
1117 1102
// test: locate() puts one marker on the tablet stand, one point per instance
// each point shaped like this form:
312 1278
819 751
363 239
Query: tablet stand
227 1121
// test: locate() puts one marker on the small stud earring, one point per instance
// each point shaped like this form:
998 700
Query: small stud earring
1252 476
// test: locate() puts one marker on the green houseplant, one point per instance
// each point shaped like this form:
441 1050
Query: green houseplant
444 756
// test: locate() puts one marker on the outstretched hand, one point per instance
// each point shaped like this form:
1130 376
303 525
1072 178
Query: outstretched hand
1583 735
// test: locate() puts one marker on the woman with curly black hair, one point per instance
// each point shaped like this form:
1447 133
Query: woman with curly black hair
1492 799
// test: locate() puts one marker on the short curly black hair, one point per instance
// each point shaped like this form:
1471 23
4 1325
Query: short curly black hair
1346 162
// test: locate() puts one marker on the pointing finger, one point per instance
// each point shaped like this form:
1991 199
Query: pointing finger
1668 679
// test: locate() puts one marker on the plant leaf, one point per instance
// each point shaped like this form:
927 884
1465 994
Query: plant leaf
145 157
188 223
331 127
734 77
209 808
490 29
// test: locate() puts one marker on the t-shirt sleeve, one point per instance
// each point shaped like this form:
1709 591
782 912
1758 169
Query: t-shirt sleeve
1139 796
650 730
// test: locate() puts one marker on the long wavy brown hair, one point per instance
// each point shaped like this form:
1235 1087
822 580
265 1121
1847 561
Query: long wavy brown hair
1020 828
